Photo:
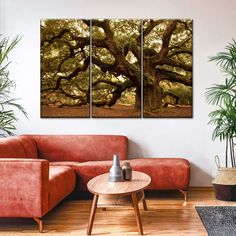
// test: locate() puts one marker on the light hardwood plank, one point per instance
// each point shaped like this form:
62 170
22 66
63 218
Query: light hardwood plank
165 216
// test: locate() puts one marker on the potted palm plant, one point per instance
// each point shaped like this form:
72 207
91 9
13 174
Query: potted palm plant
224 119
8 104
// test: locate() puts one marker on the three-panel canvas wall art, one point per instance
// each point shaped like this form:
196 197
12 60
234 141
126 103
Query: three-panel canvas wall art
123 68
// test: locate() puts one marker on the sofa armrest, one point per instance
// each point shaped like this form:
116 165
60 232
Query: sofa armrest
23 187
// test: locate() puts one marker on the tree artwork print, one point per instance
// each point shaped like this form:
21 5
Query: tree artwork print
121 68
65 61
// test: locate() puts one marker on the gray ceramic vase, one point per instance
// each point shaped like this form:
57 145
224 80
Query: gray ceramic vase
115 173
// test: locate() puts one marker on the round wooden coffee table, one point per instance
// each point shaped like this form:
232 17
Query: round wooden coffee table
107 194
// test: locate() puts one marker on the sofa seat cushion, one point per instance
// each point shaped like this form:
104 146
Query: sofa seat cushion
165 173
61 183
63 163
87 170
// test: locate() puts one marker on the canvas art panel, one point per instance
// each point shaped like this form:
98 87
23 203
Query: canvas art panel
167 68
65 68
116 68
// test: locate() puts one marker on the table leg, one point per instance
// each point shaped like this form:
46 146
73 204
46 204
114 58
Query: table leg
92 214
137 213
144 202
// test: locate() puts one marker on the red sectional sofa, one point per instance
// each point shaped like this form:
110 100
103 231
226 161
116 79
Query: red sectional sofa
38 171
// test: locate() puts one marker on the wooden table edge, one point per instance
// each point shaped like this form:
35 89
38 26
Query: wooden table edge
121 194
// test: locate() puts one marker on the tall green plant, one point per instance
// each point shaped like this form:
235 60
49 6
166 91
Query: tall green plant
224 97
8 105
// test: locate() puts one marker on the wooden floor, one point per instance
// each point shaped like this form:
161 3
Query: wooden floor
165 216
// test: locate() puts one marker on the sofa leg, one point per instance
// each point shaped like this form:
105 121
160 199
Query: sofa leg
185 196
40 224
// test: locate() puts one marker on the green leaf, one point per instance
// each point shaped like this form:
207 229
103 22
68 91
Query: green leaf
8 105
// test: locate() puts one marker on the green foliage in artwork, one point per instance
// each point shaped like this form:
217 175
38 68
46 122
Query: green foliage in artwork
105 83
63 57
127 97
175 89
125 30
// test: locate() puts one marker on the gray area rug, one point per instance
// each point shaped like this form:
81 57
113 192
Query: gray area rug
218 220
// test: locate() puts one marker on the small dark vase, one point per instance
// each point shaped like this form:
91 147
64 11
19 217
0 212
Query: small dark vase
115 173
127 171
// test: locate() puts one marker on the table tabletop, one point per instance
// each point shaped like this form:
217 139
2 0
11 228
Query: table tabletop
101 185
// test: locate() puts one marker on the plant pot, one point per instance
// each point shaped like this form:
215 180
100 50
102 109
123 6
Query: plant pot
225 184
225 192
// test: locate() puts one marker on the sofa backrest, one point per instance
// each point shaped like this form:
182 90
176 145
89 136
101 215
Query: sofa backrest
18 147
80 148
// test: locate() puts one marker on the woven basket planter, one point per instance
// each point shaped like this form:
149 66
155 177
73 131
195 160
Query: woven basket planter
226 176
225 183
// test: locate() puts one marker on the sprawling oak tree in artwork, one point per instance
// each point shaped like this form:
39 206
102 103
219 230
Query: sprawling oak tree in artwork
167 68
65 58
116 68
125 65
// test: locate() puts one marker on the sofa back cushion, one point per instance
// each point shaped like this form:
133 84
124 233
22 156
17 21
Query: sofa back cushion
18 147
80 148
